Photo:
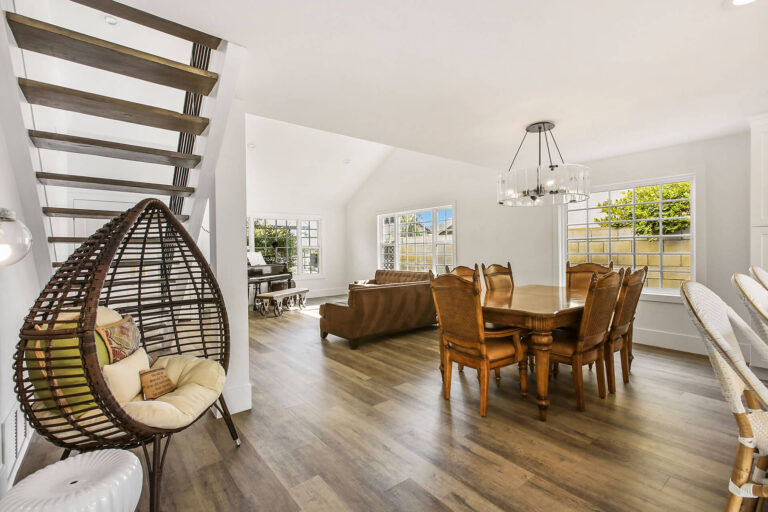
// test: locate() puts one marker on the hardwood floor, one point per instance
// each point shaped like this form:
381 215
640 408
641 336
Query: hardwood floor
336 429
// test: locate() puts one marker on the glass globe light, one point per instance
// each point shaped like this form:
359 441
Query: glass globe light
553 184
15 238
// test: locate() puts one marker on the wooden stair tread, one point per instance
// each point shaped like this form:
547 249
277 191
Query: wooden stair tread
49 95
74 144
48 39
69 180
129 13
149 262
81 213
83 239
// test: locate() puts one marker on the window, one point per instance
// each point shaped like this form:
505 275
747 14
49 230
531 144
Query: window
418 240
648 224
295 242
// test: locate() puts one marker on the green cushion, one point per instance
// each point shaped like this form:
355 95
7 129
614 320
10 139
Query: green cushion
61 375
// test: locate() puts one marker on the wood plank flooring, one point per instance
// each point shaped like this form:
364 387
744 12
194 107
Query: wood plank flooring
341 430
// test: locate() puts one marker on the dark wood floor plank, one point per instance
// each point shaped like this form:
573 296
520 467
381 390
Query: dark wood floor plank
368 430
73 100
109 149
94 183
48 39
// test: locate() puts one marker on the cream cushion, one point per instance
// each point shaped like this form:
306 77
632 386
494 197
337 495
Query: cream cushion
199 383
123 377
104 316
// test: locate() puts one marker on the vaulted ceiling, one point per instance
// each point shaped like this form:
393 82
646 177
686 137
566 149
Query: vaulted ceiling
461 79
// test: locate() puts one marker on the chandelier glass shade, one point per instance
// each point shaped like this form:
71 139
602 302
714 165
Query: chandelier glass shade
543 184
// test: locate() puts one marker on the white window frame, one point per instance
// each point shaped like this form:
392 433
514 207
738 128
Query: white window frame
397 213
300 274
653 294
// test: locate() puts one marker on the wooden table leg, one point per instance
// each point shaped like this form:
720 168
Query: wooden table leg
542 345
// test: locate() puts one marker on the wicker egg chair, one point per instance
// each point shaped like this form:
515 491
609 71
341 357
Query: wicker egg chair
142 263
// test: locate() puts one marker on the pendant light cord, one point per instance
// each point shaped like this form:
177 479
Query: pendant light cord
558 147
546 139
517 152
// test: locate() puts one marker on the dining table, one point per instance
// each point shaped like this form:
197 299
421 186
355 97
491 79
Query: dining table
539 309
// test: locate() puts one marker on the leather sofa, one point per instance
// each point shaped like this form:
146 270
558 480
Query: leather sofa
395 301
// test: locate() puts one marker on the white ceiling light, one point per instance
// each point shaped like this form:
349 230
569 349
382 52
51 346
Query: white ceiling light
110 20
738 3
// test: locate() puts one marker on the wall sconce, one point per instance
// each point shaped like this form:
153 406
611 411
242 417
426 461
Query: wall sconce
15 238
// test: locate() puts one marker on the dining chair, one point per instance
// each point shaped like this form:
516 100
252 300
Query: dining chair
578 277
755 299
491 330
620 334
760 274
463 337
462 271
585 346
722 330
498 277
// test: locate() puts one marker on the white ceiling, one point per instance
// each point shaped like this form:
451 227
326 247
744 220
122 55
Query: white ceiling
461 79
290 166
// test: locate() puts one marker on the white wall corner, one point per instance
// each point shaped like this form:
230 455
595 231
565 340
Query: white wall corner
759 190
227 213
226 61
20 149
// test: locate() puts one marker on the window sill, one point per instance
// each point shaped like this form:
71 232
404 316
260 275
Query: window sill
671 296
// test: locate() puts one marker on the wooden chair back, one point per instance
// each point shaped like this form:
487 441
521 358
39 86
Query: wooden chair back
457 301
626 305
760 274
462 271
755 299
598 309
578 277
498 277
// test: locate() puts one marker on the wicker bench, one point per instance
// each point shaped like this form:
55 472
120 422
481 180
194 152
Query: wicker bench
281 299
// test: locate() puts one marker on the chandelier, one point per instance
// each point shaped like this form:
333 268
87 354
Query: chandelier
543 184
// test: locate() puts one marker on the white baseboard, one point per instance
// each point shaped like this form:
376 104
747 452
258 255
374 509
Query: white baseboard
15 434
670 340
238 398
327 292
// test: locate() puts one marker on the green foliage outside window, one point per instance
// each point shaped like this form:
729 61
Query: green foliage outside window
276 243
621 217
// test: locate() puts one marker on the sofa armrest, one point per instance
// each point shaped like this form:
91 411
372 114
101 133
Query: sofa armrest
337 318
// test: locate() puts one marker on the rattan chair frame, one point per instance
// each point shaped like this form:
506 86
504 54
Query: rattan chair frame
143 263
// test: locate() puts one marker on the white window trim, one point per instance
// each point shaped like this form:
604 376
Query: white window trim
395 213
299 274
650 294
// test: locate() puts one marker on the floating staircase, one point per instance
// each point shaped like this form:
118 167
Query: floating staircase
194 78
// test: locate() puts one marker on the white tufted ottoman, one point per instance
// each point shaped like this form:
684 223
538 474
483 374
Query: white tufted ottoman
101 481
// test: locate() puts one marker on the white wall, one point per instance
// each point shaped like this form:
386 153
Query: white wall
19 284
721 166
485 231
227 258
300 172
526 236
